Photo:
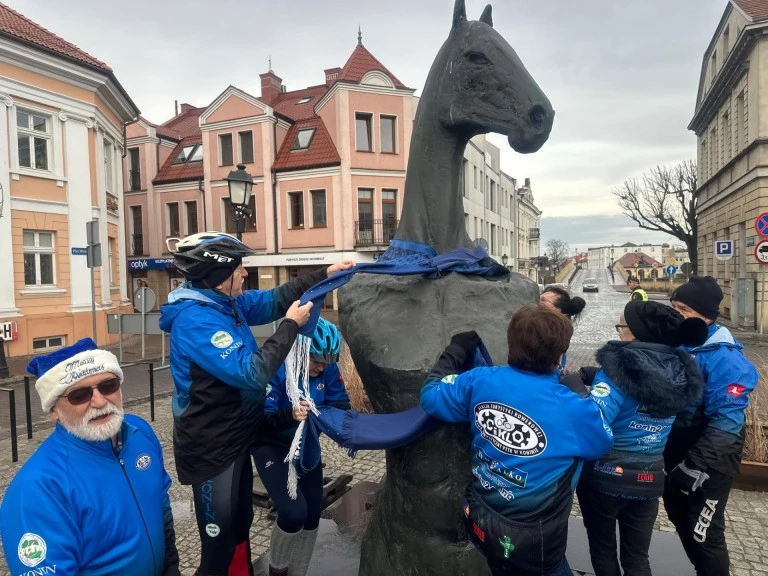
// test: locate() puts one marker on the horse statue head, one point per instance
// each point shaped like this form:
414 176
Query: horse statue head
477 84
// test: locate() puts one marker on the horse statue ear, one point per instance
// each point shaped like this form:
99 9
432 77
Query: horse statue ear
459 13
486 16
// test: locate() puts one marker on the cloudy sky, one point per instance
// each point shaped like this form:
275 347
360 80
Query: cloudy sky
622 75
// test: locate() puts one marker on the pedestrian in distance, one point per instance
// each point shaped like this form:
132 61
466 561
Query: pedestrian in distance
637 293
295 530
704 448
93 498
220 379
643 382
529 436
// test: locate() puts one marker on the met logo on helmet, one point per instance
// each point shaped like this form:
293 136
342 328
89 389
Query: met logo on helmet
218 257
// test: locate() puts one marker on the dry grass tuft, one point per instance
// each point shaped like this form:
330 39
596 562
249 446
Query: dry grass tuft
357 396
756 442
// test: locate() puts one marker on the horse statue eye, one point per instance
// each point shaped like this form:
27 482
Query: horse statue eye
477 58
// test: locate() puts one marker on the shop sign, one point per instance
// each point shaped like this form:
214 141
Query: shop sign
9 331
150 264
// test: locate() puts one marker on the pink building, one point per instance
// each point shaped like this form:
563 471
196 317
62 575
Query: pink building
328 165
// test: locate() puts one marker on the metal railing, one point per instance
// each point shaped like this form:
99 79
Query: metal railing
375 232
134 180
12 408
137 244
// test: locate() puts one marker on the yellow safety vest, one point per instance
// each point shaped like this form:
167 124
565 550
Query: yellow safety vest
643 294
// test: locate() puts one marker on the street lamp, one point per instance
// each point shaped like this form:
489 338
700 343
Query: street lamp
504 260
240 184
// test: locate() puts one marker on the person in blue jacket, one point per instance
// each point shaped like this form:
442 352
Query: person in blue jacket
643 381
93 498
295 530
704 448
220 377
529 436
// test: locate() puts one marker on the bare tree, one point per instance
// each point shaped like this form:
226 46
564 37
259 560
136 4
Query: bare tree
558 252
664 200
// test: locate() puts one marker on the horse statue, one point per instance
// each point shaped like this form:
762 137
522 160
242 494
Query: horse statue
397 325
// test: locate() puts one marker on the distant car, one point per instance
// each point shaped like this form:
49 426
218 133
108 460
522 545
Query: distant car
590 285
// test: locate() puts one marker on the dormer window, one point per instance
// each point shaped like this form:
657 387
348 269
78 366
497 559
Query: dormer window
189 154
303 139
304 100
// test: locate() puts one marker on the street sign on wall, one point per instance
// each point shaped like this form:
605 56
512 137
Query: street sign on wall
670 270
761 251
724 249
9 331
761 224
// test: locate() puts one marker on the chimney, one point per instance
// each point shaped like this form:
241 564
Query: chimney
271 87
331 75
186 108
528 183
175 107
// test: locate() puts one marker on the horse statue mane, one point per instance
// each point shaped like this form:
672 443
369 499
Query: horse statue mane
477 84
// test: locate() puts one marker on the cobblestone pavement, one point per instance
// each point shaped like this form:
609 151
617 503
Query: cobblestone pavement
746 514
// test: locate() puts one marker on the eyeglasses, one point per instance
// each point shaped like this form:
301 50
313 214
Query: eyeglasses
620 326
83 395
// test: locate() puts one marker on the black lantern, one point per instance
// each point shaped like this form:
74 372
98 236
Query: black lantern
240 185
504 260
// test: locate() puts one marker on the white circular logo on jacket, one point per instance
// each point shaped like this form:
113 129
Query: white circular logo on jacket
212 530
509 430
221 339
601 390
143 462
32 549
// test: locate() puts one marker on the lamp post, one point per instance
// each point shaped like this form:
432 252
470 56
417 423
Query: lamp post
504 260
240 184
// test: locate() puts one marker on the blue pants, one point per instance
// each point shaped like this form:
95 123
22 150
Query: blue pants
292 515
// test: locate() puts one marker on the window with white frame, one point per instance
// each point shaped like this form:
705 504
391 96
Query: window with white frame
39 252
246 146
296 209
34 139
388 134
108 171
48 343
363 132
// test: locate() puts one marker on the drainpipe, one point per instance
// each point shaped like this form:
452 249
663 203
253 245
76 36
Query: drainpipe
276 271
202 190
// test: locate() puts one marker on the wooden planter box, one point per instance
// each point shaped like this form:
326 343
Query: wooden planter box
753 476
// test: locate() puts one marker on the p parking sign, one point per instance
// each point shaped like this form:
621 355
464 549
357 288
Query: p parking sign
724 249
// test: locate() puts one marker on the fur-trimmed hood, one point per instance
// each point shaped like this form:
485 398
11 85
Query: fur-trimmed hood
662 379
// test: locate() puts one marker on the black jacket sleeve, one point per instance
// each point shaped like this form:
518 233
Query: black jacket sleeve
292 290
276 422
274 351
451 361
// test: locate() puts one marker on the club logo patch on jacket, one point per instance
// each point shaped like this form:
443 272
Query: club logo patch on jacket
32 549
509 430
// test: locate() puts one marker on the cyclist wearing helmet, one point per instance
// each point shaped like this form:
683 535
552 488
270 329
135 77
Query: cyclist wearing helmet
220 376
295 531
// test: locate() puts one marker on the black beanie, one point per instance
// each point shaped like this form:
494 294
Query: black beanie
702 294
217 276
654 322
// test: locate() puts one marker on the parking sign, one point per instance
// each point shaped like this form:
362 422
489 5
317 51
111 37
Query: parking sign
724 249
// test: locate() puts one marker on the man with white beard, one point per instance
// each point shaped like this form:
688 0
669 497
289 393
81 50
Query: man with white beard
93 499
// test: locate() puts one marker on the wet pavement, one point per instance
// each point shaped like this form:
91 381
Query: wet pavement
746 514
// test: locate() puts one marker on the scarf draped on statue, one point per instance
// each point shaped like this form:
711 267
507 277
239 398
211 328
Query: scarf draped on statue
349 428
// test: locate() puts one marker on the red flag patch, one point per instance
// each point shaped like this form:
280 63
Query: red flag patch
735 390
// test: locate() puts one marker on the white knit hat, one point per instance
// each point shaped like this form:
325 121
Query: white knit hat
61 369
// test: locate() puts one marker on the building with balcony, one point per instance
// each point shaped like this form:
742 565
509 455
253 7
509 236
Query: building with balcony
731 127
62 113
328 164
528 231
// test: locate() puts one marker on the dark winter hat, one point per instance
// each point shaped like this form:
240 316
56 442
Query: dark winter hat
654 322
702 294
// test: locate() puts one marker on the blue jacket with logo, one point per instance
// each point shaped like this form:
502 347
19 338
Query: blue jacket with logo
709 433
76 507
528 430
326 389
639 388
219 373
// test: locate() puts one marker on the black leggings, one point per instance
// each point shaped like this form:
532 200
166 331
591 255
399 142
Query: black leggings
224 515
292 515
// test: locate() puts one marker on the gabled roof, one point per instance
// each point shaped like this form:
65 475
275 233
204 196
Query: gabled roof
321 151
21 28
186 126
360 63
287 103
756 10
628 260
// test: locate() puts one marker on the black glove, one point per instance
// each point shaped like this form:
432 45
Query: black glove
588 374
467 341
686 478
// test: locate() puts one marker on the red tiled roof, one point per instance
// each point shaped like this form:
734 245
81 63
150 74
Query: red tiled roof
628 260
321 151
287 103
755 9
186 127
22 28
361 62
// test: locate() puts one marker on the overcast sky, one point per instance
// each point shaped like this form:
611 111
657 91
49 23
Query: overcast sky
622 75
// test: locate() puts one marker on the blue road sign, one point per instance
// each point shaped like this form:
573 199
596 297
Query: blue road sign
670 270
761 224
724 249
79 251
